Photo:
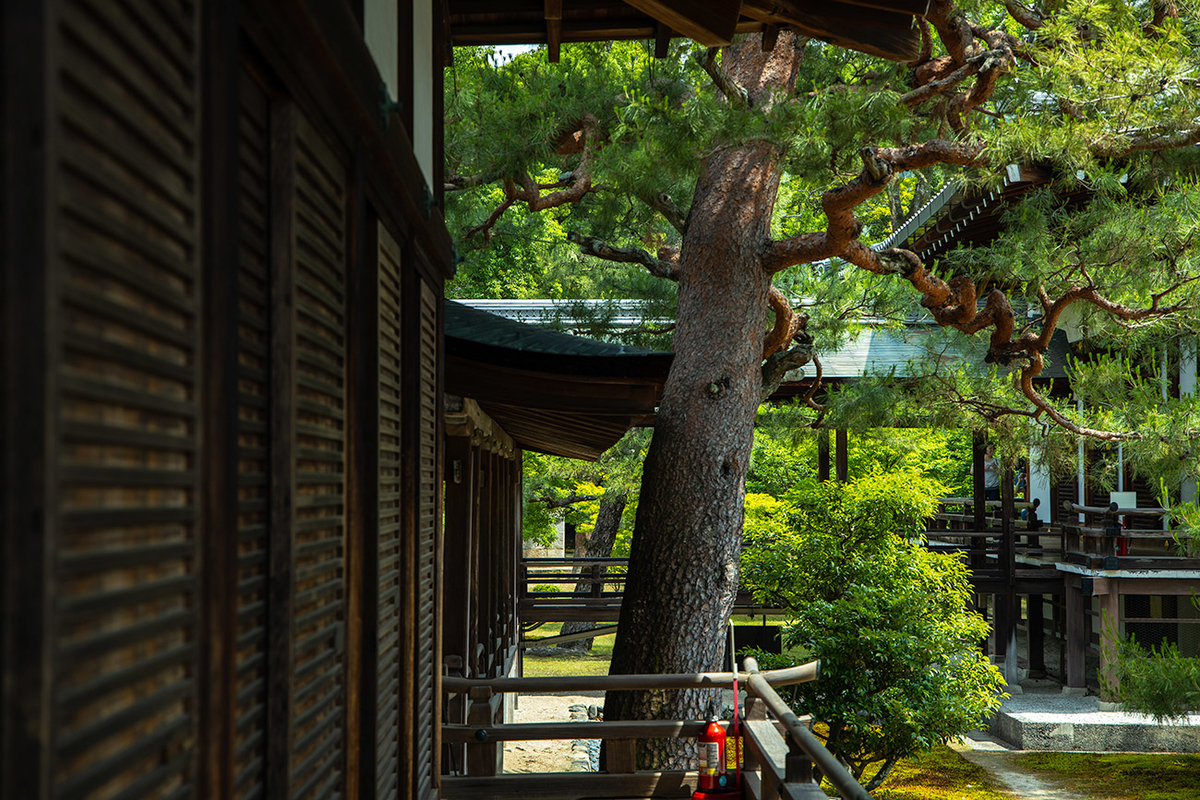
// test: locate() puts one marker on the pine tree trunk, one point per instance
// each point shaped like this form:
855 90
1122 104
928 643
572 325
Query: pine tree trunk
683 569
600 545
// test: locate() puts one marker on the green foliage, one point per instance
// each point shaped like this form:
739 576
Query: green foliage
1160 682
901 669
552 486
785 453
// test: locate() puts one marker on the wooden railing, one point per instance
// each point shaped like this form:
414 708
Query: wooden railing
779 754
585 590
1109 537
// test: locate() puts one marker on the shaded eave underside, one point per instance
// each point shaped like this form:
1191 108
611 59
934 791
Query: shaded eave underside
885 28
551 392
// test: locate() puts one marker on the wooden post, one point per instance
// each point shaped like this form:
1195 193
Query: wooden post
1110 634
621 755
220 257
362 489
1035 636
28 365
280 641
1077 624
978 495
797 767
484 758
455 755
1007 609
457 595
842 463
823 454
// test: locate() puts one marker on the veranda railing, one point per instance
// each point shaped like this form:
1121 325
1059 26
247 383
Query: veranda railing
780 749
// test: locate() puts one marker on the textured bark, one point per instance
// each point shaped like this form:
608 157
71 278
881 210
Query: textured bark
687 537
599 545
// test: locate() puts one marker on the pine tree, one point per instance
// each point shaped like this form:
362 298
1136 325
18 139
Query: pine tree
746 176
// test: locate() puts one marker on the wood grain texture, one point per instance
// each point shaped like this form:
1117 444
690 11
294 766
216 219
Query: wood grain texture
255 422
127 614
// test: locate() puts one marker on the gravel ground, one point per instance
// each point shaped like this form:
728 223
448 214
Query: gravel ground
551 755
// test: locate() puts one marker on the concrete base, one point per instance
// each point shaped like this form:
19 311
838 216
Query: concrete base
1042 720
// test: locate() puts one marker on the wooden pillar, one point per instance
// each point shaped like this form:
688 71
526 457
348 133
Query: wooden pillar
842 465
1035 636
1007 609
28 295
456 594
280 641
217 675
1110 634
823 454
1076 623
979 510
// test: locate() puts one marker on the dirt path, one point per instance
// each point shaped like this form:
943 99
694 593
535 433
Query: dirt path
546 756
1000 762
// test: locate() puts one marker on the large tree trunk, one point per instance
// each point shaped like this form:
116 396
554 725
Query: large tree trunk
684 561
600 545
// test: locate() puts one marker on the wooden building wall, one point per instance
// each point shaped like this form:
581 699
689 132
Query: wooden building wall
221 293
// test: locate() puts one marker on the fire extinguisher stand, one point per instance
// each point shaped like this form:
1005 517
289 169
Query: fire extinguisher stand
714 746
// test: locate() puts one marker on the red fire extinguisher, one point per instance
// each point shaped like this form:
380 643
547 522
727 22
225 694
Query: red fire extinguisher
714 781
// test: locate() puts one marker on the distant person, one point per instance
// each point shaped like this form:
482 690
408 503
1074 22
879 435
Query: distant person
991 473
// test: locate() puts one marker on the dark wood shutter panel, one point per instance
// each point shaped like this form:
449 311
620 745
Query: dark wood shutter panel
426 545
318 547
254 406
388 633
125 526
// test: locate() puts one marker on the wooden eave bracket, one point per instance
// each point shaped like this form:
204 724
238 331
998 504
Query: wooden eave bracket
464 417
712 23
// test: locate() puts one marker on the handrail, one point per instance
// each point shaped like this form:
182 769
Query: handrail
1113 509
830 767
687 680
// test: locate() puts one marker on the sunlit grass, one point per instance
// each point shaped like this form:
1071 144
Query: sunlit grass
1120 776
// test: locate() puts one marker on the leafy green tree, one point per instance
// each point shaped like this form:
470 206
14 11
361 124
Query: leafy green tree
889 620
745 176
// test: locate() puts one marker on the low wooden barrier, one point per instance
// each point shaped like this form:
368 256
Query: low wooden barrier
778 753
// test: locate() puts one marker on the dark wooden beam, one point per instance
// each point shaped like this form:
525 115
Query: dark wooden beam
709 22
553 13
823 455
220 259
842 457
26 316
769 37
362 488
1077 624
1035 635
879 33
280 642
662 40
917 8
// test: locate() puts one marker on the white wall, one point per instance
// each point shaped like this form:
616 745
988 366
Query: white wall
422 55
381 31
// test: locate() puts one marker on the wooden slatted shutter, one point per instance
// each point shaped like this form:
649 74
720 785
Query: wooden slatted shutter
390 557
426 718
254 409
319 527
124 524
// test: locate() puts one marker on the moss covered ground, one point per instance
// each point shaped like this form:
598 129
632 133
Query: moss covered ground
1120 776
940 774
